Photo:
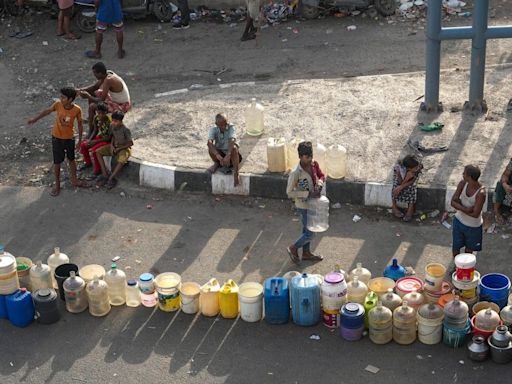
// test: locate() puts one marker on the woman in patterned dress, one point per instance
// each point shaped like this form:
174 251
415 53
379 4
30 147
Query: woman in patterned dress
405 177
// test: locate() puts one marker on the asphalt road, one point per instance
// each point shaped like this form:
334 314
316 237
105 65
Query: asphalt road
200 236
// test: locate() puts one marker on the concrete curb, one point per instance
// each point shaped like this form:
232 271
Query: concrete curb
273 185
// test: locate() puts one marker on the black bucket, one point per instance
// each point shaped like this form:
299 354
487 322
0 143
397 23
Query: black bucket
62 272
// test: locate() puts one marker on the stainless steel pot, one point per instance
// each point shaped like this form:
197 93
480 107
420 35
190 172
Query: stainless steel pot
500 355
478 350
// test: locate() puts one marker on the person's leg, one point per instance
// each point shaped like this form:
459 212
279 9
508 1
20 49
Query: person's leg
70 154
56 189
458 240
90 118
396 211
84 150
410 212
249 27
185 13
474 239
58 157
235 162
60 23
96 166
119 28
498 197
216 163
103 151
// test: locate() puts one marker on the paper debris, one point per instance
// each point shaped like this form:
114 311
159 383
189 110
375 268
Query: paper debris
372 369
446 224
356 218
314 337
116 258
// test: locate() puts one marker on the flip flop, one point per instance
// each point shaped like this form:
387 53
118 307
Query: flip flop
314 258
60 34
407 218
112 183
92 55
22 35
293 258
122 55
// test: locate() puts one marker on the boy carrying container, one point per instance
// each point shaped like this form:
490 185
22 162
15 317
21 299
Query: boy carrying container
305 181
119 147
63 141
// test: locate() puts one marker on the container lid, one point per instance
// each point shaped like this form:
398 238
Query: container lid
353 309
408 284
334 278
131 282
465 260
430 311
6 261
446 287
44 292
146 277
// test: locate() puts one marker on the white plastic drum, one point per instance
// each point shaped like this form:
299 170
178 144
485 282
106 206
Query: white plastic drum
251 301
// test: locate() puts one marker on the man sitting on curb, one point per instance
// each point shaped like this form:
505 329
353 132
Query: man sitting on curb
119 147
223 148
503 193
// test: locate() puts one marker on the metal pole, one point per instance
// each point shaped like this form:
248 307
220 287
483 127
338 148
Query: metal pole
433 58
478 48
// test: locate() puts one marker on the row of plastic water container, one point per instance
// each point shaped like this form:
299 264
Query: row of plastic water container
282 156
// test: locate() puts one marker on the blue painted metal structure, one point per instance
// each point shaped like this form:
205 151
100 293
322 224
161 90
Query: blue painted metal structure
479 33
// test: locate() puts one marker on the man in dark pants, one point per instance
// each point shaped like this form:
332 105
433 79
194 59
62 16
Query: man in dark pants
185 15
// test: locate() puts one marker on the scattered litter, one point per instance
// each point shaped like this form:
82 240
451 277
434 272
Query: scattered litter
351 28
372 369
419 357
314 337
149 206
295 219
505 236
434 213
431 127
114 259
189 217
295 30
461 362
157 40
122 194
398 234
492 228
11 363
336 206
139 230
270 373
284 40
45 42
356 218
261 206
115 374
423 217
138 261
328 31
1 50
446 224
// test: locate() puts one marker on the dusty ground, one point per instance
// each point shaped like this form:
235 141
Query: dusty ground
159 59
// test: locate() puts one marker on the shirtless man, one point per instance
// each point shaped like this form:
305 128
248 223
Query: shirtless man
223 148
109 88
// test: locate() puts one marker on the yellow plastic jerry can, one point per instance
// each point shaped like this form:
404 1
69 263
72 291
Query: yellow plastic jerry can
228 300
209 298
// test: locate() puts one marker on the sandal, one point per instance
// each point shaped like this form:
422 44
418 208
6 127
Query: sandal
407 218
295 259
111 183
101 181
92 55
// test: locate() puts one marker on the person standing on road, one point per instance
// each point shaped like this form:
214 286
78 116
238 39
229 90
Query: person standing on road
110 88
63 142
108 12
405 178
305 181
253 15
223 147
64 19
468 200
184 23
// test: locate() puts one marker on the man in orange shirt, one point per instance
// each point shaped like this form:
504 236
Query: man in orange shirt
63 142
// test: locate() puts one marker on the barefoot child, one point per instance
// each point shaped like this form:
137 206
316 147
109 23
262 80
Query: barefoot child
119 147
405 177
305 181
63 142
100 136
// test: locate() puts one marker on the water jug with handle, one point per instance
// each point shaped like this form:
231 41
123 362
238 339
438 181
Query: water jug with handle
20 308
292 156
54 260
98 298
254 118
336 159
370 301
74 293
318 214
356 291
391 300
40 276
394 271
277 300
404 324
116 281
9 282
209 298
276 154
228 300
364 275
320 156
46 307
380 321
305 300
